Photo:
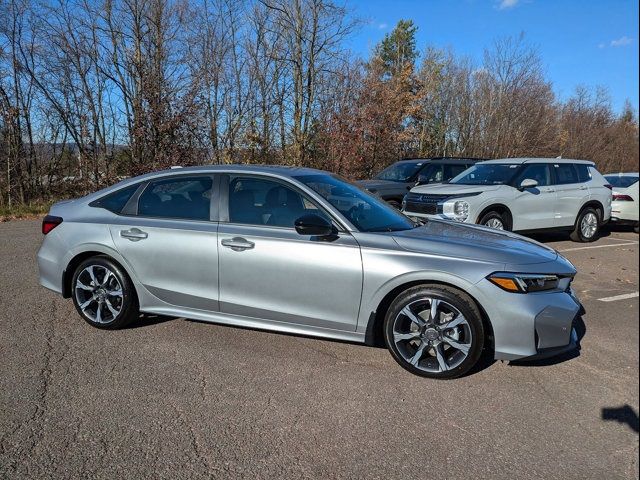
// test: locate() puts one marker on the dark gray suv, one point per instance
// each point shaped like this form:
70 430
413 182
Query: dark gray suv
393 183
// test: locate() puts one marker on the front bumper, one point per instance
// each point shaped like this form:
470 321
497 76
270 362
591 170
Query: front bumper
534 325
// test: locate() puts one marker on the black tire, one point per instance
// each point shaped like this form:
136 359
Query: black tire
394 203
636 228
578 235
494 216
126 304
463 303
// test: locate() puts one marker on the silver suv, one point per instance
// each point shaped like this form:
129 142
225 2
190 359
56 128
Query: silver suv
521 194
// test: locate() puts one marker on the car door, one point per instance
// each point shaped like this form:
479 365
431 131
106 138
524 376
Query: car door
572 194
269 271
170 241
533 208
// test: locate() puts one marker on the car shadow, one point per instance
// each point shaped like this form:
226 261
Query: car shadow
149 319
545 237
624 414
581 330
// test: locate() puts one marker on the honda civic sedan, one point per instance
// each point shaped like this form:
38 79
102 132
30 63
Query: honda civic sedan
306 252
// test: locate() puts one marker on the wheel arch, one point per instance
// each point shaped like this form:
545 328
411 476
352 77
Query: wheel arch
374 332
501 208
597 205
80 255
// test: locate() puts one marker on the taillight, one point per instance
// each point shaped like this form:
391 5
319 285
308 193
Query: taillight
610 187
622 198
49 223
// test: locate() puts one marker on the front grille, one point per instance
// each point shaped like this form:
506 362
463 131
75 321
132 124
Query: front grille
424 203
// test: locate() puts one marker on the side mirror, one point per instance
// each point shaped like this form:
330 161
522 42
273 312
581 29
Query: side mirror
314 225
528 183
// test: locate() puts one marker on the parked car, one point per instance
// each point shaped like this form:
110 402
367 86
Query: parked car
392 183
624 209
521 194
268 247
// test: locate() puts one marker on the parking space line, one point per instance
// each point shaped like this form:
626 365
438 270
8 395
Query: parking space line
619 297
598 246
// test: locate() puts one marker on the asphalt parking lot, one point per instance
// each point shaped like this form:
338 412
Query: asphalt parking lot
171 398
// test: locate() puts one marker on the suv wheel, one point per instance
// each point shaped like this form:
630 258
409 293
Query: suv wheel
587 226
495 220
434 331
103 294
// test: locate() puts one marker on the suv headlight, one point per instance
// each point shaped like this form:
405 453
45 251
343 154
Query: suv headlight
524 282
458 210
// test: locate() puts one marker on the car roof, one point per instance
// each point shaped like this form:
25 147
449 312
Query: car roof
520 161
627 174
440 159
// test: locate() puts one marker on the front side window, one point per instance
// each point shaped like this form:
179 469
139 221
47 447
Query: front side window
452 171
367 212
400 171
181 197
538 172
566 173
431 174
487 174
258 201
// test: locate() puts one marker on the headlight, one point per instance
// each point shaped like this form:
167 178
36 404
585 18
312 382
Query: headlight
458 210
524 282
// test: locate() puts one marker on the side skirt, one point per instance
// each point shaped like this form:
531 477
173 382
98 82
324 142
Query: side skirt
259 324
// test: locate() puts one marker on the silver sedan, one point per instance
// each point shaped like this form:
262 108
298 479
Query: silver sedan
303 251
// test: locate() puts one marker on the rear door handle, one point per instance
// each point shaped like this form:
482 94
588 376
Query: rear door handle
135 234
237 244
583 187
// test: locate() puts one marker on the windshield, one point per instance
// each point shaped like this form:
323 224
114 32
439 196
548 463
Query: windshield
400 171
487 174
365 211
621 181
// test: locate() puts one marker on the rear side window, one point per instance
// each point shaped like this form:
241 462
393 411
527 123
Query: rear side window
583 172
182 197
565 173
115 202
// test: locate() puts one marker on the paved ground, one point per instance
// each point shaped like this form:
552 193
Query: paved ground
181 399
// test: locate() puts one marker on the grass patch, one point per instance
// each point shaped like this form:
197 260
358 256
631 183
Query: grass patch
30 210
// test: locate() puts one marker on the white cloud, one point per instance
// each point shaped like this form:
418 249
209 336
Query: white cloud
621 42
382 26
504 4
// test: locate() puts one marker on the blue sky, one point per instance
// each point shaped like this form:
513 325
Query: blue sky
581 42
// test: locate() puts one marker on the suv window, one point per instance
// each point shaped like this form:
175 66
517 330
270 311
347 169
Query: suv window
566 173
257 201
452 170
584 175
539 172
179 197
115 202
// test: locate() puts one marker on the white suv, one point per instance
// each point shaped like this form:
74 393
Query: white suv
520 194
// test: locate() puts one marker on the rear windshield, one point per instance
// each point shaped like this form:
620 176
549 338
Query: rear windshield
621 181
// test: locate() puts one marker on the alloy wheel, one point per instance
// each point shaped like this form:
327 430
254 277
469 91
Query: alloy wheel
589 225
98 293
495 223
432 335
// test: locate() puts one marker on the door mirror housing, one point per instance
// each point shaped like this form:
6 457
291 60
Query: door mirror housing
314 225
527 183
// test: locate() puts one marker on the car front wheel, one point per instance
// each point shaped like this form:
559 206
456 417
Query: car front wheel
103 293
495 220
434 331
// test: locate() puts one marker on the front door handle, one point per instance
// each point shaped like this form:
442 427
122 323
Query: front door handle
135 234
583 187
549 190
237 244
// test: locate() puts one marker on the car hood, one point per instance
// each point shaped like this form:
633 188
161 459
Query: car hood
479 243
379 184
453 189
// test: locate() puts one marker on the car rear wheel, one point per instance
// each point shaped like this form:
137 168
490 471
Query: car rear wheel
434 331
495 220
587 226
103 294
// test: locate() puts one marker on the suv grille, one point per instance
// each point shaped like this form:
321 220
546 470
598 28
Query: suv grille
424 203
